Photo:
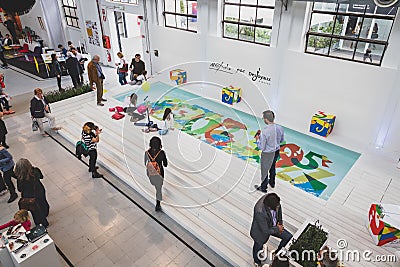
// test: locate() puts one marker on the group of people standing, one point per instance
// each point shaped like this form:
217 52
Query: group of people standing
74 64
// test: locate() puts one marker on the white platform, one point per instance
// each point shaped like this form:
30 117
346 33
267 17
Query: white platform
210 193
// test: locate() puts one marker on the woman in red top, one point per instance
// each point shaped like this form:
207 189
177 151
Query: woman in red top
21 217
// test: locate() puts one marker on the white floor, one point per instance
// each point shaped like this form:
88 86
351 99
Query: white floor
216 203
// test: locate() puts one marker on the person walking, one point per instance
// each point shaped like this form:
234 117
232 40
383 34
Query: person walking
81 61
122 69
267 221
155 160
74 69
91 136
40 109
268 141
57 71
30 185
96 78
7 167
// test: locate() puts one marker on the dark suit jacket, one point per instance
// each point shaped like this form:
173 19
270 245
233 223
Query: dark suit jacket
73 67
262 228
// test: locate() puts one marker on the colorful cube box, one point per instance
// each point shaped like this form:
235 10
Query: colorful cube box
178 76
231 95
383 224
322 124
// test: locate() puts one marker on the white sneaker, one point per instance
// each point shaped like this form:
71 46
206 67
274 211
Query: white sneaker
2 193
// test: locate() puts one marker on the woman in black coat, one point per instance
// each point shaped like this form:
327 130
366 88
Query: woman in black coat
74 69
57 71
30 186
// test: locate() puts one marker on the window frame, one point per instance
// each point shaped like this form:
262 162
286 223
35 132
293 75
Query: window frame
240 23
356 40
136 2
66 6
175 14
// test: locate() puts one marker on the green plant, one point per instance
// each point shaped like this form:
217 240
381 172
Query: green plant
54 96
311 239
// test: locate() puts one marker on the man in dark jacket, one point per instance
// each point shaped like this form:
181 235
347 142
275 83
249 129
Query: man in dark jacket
74 69
39 109
267 221
137 67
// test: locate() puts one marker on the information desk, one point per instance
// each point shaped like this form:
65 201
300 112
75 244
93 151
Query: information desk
41 253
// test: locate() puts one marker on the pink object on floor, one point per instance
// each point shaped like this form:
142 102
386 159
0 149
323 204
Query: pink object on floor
141 109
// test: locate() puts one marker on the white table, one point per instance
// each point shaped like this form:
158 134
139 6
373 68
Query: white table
37 254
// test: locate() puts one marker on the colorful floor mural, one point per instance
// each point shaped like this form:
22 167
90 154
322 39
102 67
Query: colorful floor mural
310 164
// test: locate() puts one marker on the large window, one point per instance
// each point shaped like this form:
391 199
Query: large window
248 20
180 14
71 17
350 31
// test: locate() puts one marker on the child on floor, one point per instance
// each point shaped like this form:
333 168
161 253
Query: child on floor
138 80
3 97
167 122
21 217
3 132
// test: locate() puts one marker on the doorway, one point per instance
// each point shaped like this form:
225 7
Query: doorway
128 37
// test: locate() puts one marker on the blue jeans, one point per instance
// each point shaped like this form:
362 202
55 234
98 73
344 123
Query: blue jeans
285 237
122 78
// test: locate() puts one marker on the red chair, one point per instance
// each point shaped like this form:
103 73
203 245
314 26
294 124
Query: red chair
24 49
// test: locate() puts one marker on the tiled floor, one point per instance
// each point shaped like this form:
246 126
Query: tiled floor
92 222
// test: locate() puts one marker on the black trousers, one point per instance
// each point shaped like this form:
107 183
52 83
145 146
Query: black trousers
59 83
92 160
39 215
3 140
4 103
6 180
3 59
76 81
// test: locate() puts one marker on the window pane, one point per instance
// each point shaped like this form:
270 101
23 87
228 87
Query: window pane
67 13
249 2
181 22
348 25
246 33
322 23
377 29
325 6
192 7
169 5
353 8
265 16
389 11
231 30
232 1
318 44
69 21
231 13
181 7
266 3
247 14
369 52
337 49
170 20
192 24
263 35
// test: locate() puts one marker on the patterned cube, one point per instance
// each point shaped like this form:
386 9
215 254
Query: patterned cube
178 76
322 124
231 95
383 224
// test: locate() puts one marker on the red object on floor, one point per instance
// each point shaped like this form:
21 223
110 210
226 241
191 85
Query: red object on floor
24 49
117 116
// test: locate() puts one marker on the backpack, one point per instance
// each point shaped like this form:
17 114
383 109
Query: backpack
152 166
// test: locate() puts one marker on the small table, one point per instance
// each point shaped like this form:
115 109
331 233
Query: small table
41 253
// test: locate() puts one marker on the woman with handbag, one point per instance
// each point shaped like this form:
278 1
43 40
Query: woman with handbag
33 193
122 69
7 167
90 137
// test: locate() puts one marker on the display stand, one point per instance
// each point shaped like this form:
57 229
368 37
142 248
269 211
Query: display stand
41 253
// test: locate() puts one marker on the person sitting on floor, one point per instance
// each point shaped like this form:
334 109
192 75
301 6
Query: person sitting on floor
21 217
138 80
167 122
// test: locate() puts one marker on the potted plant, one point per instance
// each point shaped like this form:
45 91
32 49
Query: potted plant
306 243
